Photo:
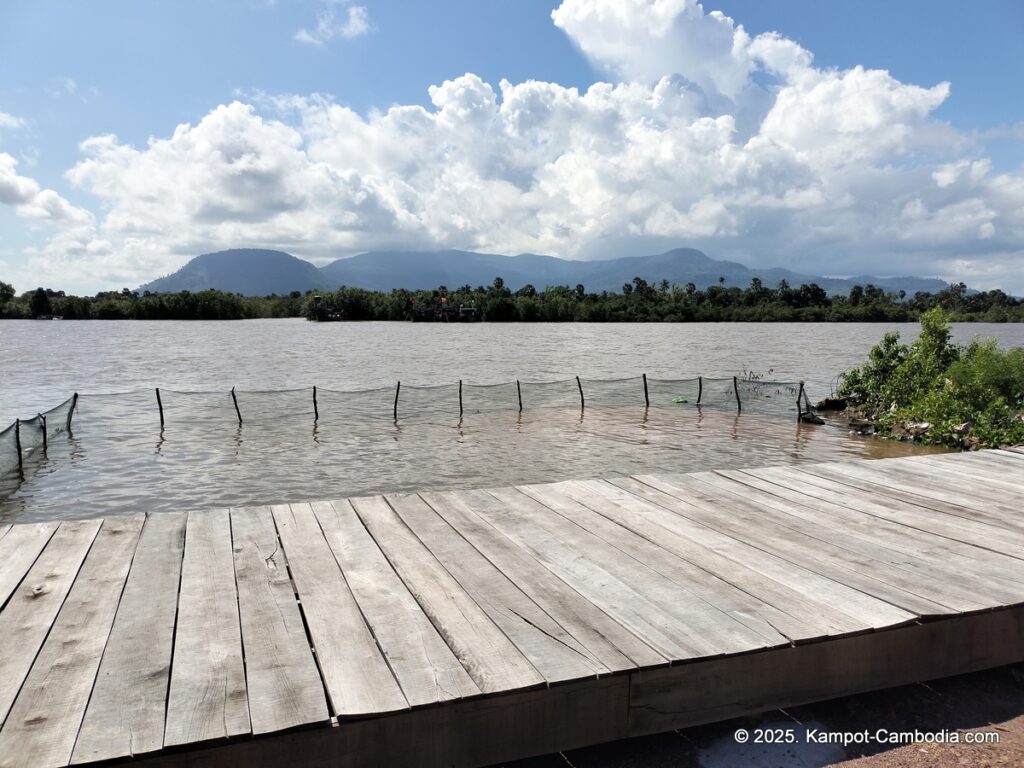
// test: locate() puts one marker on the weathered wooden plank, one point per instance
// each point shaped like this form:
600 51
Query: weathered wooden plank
356 675
995 495
931 480
482 731
499 729
125 716
604 637
840 479
955 521
284 684
664 608
1011 450
720 689
41 728
28 616
868 505
787 586
953 573
980 469
207 698
18 550
425 666
868 573
494 663
553 651
996 459
733 615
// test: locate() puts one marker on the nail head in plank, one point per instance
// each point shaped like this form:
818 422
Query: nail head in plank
125 716
207 698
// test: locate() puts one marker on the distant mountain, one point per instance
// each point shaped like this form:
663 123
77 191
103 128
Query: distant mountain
385 270
248 271
254 272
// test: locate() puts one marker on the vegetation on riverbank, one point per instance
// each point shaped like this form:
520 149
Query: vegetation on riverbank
126 305
934 391
638 301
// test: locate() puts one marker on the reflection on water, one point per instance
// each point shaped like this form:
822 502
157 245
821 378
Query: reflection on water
122 465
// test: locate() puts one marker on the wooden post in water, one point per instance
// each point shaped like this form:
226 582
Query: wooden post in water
316 409
397 390
42 419
647 400
71 411
235 401
460 398
578 384
519 392
700 388
17 441
736 390
799 404
160 405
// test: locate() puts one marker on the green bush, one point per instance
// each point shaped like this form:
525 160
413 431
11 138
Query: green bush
967 395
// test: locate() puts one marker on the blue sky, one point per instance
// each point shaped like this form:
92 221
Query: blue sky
70 71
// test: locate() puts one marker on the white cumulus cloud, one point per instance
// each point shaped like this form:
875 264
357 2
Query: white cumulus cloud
705 137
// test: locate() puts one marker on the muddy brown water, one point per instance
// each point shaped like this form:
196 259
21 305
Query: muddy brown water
117 460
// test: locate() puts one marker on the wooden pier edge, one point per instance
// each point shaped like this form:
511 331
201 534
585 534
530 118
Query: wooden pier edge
497 728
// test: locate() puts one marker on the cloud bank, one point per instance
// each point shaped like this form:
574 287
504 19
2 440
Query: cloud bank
704 136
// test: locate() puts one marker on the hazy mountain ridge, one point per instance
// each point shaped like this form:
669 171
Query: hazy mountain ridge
248 271
256 272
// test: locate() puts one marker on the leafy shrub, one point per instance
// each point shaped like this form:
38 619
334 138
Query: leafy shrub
969 395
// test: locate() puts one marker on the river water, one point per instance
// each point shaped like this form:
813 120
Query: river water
116 458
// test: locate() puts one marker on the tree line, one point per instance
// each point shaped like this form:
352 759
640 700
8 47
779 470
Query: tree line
638 301
131 305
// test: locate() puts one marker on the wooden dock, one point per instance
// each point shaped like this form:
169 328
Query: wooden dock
473 627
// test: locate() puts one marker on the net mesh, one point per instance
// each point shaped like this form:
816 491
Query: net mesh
334 417
26 440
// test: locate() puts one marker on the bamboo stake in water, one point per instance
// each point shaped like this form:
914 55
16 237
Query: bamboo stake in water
519 392
160 405
578 384
736 389
43 420
397 390
799 404
71 411
647 400
460 398
235 401
316 409
17 441
700 388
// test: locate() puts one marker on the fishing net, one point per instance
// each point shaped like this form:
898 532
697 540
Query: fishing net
213 429
24 442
